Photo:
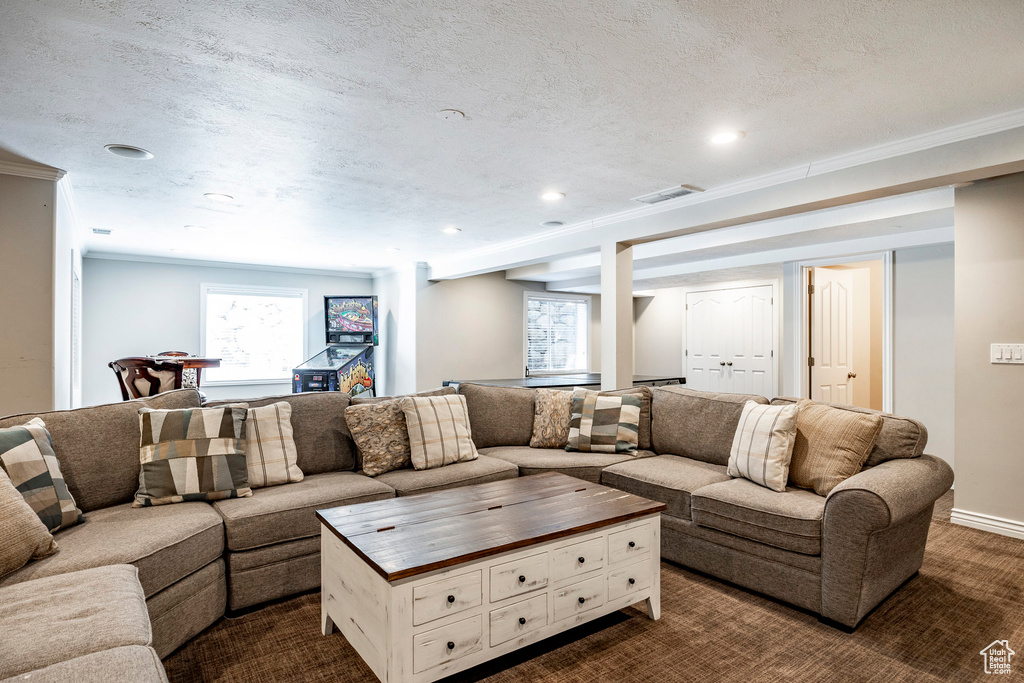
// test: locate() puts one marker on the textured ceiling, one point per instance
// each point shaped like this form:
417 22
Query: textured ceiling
320 117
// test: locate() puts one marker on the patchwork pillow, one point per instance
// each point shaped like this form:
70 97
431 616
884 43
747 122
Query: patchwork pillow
604 424
381 434
24 536
552 413
26 455
270 452
763 445
192 454
831 445
439 431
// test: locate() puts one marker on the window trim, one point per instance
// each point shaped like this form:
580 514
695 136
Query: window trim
206 288
587 301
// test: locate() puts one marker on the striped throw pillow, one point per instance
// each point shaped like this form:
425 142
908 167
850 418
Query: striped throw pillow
26 454
270 446
604 424
439 431
763 444
832 445
192 454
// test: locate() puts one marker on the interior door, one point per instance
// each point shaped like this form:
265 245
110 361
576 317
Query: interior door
832 335
706 340
730 340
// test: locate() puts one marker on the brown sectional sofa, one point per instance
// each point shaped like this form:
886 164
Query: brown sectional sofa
838 556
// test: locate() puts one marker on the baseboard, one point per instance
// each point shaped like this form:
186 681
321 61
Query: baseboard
995 525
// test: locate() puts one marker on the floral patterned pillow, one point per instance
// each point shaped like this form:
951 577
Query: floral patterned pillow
551 415
380 432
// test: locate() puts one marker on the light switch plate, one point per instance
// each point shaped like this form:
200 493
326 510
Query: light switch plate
1008 353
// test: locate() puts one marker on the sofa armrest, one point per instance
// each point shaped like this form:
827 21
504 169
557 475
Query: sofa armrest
897 489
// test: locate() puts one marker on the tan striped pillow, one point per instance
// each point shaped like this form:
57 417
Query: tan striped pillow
763 444
831 445
270 453
439 431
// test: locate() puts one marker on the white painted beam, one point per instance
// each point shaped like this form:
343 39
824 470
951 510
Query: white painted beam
616 316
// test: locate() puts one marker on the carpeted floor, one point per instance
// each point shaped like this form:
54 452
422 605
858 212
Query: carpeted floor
969 593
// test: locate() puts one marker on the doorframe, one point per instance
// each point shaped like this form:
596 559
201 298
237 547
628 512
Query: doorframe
777 313
802 375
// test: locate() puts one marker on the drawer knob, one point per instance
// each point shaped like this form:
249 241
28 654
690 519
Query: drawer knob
632 581
522 621
451 598
582 600
522 579
581 559
632 544
451 645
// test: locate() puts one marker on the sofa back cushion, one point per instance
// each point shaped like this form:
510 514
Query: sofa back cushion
322 438
696 424
901 437
98 447
499 416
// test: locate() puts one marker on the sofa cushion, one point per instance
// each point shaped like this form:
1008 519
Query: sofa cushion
696 424
790 520
322 439
831 446
439 433
24 535
604 424
440 391
135 663
499 416
479 471
62 617
670 479
901 437
286 513
166 543
26 455
98 447
586 466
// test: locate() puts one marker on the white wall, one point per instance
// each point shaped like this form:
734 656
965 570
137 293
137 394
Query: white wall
396 301
658 332
67 256
135 308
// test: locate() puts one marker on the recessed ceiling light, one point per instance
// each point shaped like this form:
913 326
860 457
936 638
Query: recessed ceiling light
393 249
195 228
726 136
552 224
451 115
100 231
451 230
552 196
129 151
218 196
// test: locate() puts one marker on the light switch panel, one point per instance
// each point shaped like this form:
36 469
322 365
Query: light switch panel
1008 353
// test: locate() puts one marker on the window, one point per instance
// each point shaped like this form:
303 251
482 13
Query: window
259 333
557 333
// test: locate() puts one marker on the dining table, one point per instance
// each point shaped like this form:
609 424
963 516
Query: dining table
192 367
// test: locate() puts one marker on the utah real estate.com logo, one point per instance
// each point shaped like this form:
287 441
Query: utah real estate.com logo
997 657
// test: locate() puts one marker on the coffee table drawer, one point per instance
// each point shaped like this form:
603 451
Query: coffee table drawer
519 576
579 597
446 644
518 619
629 544
629 579
577 559
448 596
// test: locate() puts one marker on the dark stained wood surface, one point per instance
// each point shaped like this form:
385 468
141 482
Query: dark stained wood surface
403 537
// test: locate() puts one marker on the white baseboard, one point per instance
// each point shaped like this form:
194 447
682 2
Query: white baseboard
995 525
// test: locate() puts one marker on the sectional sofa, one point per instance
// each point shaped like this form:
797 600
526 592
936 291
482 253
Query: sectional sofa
189 563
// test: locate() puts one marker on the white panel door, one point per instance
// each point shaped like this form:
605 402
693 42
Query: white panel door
705 330
832 336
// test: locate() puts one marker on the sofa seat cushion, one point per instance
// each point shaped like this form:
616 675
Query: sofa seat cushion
133 663
670 479
586 466
285 513
166 543
62 617
790 520
479 471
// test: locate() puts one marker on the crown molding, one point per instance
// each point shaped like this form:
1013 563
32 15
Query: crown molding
37 171
136 258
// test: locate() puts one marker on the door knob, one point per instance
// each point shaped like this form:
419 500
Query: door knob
729 363
721 362
851 375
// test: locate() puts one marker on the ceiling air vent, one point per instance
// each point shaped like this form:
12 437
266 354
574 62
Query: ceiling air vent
100 231
670 193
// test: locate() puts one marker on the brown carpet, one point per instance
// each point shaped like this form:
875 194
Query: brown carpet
969 593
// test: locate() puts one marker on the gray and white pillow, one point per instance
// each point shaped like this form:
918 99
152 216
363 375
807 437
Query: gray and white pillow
270 453
439 432
602 423
26 454
762 447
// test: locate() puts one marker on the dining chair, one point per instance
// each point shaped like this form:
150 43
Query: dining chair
143 377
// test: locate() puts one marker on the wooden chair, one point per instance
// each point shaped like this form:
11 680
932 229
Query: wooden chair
143 377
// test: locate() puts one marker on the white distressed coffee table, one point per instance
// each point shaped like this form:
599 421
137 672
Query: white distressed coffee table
428 585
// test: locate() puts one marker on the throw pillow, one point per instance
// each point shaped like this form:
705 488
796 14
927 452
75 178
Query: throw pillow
270 452
831 445
439 431
192 454
763 444
604 424
26 454
380 432
552 412
24 536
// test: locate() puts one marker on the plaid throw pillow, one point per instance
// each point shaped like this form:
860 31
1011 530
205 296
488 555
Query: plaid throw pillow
604 424
270 447
26 454
192 454
763 444
439 432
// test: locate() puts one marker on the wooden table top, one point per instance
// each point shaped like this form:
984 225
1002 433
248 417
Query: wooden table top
189 361
403 537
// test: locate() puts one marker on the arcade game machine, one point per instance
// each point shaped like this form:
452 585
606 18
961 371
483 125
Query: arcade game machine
347 362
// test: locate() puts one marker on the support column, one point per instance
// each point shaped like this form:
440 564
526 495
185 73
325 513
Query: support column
616 316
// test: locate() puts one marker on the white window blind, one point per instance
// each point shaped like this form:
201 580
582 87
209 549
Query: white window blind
557 334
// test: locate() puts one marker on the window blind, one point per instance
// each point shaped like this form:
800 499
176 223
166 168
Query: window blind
556 334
